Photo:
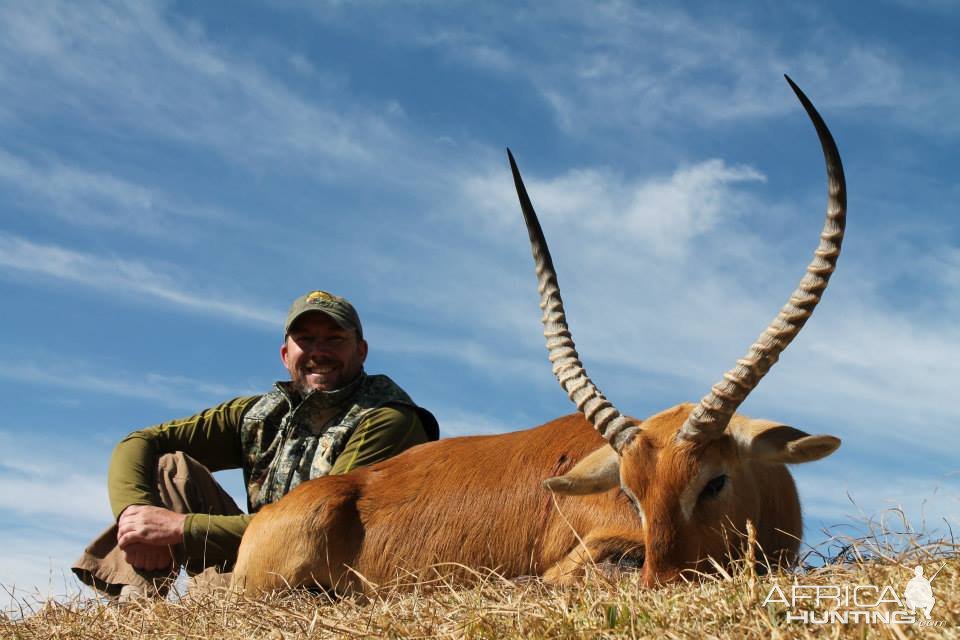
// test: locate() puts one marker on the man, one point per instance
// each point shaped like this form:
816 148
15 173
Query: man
330 417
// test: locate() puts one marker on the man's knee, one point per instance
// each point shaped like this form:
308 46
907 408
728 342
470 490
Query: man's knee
183 484
179 464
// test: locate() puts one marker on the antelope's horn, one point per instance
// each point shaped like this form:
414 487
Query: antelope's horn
610 423
711 416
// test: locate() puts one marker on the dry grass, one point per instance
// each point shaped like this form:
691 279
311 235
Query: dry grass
724 605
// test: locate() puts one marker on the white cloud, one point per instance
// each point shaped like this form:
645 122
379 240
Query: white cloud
649 268
55 488
96 199
177 392
139 67
52 506
122 276
616 66
470 46
35 566
935 6
874 374
943 266
673 305
302 65
661 215
71 497
474 353
834 495
455 422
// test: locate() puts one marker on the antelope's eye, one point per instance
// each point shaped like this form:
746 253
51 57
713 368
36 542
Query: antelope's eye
713 487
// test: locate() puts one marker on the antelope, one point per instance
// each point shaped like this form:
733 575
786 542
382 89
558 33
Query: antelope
662 494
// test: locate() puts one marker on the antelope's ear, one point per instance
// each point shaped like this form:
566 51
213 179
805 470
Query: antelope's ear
598 472
774 442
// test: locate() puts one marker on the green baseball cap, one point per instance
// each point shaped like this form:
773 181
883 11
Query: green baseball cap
336 307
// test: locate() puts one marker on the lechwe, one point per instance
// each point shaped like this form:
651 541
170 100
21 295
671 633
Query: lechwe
666 492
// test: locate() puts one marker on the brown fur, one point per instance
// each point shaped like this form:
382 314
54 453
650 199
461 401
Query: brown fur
478 502
661 468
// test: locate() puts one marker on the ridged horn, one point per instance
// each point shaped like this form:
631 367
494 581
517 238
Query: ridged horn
600 412
711 416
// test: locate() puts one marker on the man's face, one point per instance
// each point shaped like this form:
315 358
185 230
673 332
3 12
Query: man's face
319 354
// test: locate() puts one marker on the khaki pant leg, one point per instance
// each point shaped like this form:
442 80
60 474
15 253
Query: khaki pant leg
182 485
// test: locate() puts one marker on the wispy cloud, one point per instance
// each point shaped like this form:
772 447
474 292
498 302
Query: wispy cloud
141 68
73 497
35 566
834 495
95 199
177 392
878 372
658 272
54 484
122 276
667 280
615 66
660 215
456 422
463 351
936 6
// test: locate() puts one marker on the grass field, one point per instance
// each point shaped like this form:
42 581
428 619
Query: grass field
726 604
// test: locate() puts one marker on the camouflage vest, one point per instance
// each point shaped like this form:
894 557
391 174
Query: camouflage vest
284 444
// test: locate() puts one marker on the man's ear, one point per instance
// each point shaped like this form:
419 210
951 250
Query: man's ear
598 472
768 441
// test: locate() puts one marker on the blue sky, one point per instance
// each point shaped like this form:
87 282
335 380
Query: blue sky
173 175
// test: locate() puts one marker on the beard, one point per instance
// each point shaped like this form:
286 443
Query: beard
307 380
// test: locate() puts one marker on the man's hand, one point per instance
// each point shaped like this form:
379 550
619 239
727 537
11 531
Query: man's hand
148 557
145 534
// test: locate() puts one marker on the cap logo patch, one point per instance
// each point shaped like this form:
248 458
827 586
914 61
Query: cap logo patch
319 297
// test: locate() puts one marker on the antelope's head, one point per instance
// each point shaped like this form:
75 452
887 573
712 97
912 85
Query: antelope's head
692 471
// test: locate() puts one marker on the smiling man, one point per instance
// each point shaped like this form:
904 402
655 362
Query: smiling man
329 418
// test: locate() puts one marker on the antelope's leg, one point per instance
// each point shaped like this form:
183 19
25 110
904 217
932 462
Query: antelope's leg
596 547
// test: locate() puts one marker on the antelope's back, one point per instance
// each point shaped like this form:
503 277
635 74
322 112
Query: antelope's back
478 501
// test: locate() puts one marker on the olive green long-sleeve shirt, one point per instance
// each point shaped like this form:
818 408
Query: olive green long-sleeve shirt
212 437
